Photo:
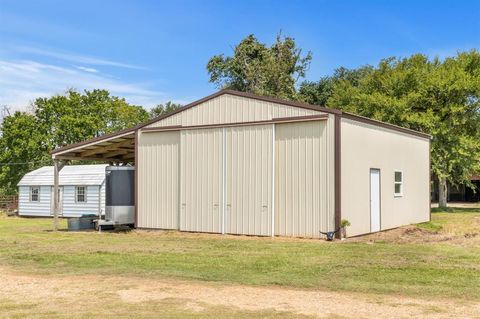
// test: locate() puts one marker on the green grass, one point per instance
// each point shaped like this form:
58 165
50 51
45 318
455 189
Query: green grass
428 270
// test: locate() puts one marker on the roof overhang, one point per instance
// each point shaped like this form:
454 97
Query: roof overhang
115 147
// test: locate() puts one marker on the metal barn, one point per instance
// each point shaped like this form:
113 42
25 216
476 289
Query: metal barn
81 191
238 163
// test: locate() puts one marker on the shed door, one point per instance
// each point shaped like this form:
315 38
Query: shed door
300 180
374 200
60 201
249 180
201 180
158 176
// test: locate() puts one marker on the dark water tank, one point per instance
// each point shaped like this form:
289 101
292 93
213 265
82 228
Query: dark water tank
120 194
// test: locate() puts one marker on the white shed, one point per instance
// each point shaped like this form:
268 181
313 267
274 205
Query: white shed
82 191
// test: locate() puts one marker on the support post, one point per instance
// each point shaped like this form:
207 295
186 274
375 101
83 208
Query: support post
57 166
273 180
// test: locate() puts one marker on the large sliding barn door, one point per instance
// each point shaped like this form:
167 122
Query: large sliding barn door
248 177
158 177
300 180
201 180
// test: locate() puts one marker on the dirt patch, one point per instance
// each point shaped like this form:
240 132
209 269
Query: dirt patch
416 235
77 293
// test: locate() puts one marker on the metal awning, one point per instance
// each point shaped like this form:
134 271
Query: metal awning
116 147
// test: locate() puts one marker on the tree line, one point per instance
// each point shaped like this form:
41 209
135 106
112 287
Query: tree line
28 137
440 97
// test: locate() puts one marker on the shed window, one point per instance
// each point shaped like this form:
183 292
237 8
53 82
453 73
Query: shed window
34 194
398 183
80 194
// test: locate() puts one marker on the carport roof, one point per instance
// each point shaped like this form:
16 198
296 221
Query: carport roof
114 147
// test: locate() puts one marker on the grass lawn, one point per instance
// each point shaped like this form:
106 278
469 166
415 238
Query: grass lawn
434 269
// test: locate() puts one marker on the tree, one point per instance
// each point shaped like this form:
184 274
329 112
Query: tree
75 116
23 147
27 139
319 92
256 68
162 109
438 97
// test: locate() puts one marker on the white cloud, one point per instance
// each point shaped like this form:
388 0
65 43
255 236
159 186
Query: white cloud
76 58
91 70
23 81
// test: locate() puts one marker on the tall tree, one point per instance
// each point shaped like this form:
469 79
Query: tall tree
438 97
162 109
27 139
319 92
259 69
23 147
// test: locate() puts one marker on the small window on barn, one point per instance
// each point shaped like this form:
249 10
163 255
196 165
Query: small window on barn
34 194
81 194
398 184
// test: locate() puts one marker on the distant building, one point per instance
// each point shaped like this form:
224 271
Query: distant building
459 193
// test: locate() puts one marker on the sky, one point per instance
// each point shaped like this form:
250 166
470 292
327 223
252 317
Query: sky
150 52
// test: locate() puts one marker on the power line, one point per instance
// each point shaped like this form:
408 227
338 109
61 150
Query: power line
24 163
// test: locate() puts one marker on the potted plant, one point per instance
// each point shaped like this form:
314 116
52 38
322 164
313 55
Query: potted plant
343 227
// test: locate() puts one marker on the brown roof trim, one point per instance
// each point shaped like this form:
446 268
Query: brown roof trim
282 102
367 120
316 117
300 118
162 128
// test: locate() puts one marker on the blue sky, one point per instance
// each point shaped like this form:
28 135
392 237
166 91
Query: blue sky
152 51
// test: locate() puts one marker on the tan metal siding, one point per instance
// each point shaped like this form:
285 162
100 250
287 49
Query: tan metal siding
158 180
232 109
365 146
303 179
249 180
201 180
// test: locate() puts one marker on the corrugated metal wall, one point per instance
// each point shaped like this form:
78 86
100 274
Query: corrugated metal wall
232 109
365 146
201 180
249 180
184 175
303 179
158 185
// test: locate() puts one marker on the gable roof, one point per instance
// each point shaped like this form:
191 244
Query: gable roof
250 96
70 175
246 95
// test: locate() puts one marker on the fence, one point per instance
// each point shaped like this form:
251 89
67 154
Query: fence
8 202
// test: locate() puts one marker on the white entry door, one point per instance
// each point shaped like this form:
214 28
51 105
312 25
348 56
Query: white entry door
60 201
374 200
